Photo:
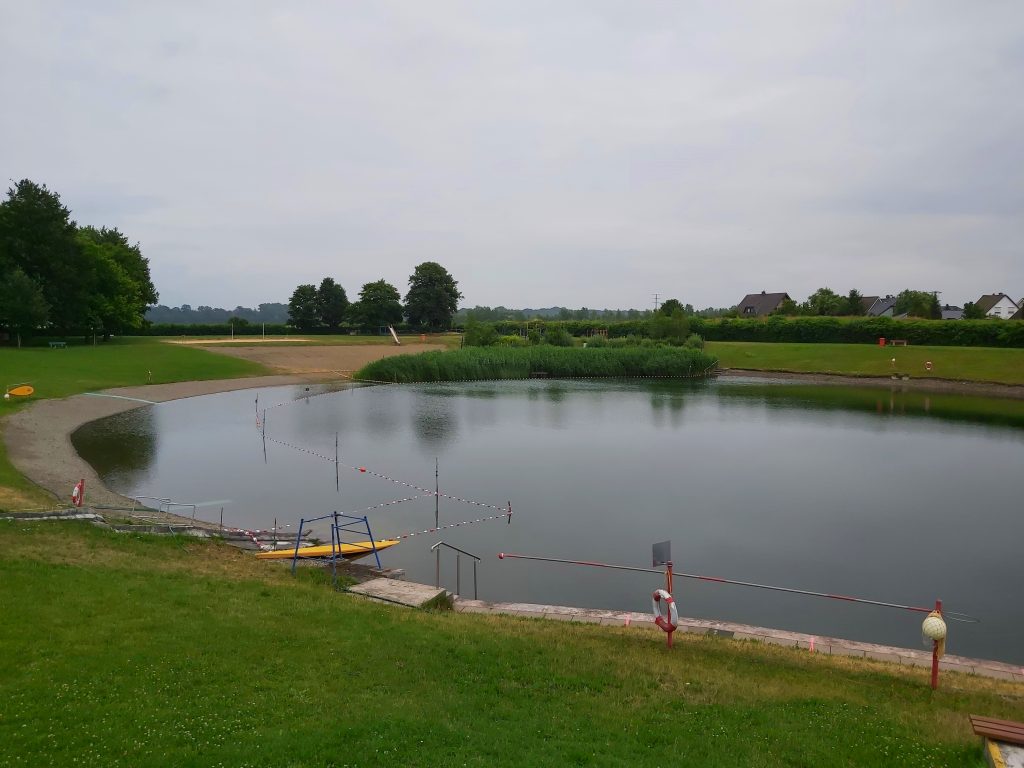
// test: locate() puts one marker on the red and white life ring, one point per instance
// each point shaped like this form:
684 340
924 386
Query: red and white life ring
669 622
78 493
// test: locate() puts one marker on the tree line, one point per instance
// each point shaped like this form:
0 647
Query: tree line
271 313
430 303
57 275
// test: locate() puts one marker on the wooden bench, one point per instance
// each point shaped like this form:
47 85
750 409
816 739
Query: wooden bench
897 342
1003 738
58 345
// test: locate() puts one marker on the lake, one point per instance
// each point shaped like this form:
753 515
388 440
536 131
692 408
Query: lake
893 496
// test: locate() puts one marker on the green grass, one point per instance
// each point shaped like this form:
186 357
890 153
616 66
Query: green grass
482 363
131 650
85 368
959 363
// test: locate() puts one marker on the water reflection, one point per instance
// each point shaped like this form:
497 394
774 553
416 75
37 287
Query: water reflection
121 448
434 420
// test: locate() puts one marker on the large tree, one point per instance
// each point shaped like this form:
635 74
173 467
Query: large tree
918 304
302 308
331 303
433 296
119 288
38 235
379 304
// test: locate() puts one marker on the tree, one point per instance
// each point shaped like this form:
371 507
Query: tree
433 296
824 301
670 306
918 304
38 236
22 306
119 288
379 304
302 307
331 302
973 311
852 304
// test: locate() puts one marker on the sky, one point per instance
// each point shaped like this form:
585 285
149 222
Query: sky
584 153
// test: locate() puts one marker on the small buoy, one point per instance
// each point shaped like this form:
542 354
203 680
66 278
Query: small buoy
501 555
362 469
7 395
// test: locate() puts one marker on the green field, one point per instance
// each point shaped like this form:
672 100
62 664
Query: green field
84 368
131 650
959 363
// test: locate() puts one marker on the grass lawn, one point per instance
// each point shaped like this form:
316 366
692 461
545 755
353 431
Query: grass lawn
132 650
84 368
960 363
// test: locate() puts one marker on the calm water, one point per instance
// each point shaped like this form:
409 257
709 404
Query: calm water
897 497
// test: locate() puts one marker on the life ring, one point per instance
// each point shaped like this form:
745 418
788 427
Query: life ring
669 622
78 493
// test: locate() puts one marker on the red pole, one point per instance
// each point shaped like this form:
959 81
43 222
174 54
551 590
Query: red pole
935 653
668 588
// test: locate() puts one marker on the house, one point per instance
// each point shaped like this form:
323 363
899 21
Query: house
952 313
761 304
1020 312
881 307
997 305
866 302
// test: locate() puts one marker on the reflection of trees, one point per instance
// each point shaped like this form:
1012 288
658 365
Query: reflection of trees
880 402
121 448
434 420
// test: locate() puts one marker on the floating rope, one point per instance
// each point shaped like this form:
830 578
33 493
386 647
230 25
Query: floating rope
949 614
363 470
507 514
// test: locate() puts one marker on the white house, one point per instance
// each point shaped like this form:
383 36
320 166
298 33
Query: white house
998 305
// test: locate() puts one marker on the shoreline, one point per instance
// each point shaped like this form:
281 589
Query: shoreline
38 438
936 386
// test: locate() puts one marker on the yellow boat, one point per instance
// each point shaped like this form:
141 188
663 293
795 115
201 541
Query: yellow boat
348 550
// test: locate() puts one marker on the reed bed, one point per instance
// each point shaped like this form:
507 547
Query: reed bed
483 363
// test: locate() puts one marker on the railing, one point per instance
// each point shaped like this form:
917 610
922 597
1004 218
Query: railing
436 549
164 504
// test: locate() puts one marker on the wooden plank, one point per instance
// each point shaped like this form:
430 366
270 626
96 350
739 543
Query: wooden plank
1006 737
995 721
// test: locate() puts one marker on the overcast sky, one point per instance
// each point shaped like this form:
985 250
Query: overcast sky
577 153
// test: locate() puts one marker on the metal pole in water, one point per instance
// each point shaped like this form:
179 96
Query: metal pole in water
222 518
437 489
337 481
474 581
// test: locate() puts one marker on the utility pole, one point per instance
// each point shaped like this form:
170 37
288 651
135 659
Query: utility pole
656 304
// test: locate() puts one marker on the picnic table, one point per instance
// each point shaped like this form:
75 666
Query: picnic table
1004 740
58 345
897 342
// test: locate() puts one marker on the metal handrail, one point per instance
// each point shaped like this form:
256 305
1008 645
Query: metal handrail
436 549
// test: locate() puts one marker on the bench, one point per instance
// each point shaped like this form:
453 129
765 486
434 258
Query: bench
1003 738
58 345
897 342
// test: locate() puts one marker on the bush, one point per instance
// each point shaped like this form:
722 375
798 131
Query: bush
512 341
473 363
557 336
694 341
479 334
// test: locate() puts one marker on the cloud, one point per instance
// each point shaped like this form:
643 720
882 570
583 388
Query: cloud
575 153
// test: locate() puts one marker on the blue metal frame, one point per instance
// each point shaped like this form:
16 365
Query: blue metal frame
336 541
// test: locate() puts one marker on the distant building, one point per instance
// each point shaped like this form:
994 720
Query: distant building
866 302
1019 315
997 305
952 313
761 304
881 307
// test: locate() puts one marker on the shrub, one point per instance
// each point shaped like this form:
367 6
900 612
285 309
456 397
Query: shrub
512 341
474 363
557 336
694 341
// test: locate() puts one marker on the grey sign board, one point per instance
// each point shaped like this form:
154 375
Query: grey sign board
662 553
